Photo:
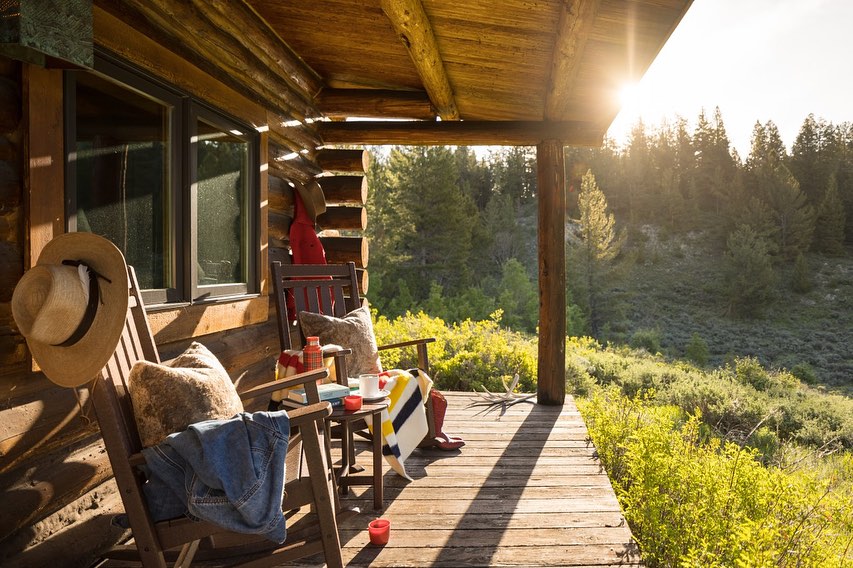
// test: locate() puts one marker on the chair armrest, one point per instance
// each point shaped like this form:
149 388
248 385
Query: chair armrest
337 352
297 416
289 382
422 341
310 413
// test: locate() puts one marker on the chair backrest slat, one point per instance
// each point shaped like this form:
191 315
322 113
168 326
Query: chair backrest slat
118 427
330 289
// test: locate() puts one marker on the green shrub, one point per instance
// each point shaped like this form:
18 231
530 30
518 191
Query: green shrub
749 371
805 373
465 356
691 502
697 350
648 339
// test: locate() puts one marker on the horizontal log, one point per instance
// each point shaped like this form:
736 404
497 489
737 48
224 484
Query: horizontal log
335 160
343 218
375 103
51 481
122 39
470 133
279 254
280 195
237 349
90 530
279 225
346 249
277 243
344 190
291 134
206 319
291 166
363 280
235 46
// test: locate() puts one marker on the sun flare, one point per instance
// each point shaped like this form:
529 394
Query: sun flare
630 96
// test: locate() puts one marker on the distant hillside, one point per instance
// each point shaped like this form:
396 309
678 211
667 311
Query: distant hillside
674 290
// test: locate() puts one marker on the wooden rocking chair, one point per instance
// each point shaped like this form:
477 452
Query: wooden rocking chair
332 289
182 539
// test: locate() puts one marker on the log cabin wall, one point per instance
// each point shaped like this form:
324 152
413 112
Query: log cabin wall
58 497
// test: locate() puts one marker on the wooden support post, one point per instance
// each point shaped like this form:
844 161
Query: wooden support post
551 386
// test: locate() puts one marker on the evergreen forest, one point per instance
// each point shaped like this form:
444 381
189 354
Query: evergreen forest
709 309
675 243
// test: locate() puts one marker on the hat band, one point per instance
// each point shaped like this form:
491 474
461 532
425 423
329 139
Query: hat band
91 307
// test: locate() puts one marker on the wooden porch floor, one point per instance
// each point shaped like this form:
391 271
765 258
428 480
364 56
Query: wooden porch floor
526 490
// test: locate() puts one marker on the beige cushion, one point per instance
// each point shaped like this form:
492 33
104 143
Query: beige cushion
192 387
353 331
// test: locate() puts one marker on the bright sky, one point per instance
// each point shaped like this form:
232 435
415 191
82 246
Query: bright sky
757 60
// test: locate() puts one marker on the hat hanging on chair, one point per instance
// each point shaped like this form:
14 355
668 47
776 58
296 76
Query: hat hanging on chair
71 306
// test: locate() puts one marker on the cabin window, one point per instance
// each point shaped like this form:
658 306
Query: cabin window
169 180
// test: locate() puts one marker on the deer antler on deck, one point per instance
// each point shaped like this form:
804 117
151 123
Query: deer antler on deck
503 399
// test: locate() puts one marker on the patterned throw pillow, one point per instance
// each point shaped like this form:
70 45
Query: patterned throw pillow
191 388
353 331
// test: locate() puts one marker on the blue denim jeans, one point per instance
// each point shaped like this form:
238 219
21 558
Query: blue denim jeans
226 472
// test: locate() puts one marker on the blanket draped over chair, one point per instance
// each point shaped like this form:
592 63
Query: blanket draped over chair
404 423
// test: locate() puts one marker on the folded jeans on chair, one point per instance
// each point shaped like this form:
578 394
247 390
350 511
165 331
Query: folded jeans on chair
226 472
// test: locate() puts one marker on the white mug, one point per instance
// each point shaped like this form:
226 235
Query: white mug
368 385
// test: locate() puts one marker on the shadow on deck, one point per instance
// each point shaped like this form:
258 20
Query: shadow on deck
526 490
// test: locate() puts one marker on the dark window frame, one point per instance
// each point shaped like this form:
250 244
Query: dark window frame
184 111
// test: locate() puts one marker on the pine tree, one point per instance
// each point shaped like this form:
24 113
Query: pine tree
518 298
599 246
715 166
801 281
815 156
766 154
793 217
435 222
748 274
829 229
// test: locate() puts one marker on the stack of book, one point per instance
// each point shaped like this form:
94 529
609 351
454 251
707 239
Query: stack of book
330 392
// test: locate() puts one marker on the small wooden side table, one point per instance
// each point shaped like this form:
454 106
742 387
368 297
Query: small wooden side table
345 473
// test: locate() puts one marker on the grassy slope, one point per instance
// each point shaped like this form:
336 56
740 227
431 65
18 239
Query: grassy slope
676 290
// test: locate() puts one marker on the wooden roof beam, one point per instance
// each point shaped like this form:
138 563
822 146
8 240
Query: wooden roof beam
412 25
465 132
375 103
573 29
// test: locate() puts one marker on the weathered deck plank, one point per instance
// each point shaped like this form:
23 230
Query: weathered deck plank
526 490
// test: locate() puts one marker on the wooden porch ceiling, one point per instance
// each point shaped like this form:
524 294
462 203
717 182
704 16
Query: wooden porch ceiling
525 61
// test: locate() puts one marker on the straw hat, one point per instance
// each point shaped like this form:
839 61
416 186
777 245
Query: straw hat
71 306
312 197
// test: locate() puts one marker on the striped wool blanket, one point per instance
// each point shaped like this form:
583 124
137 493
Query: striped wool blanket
404 423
